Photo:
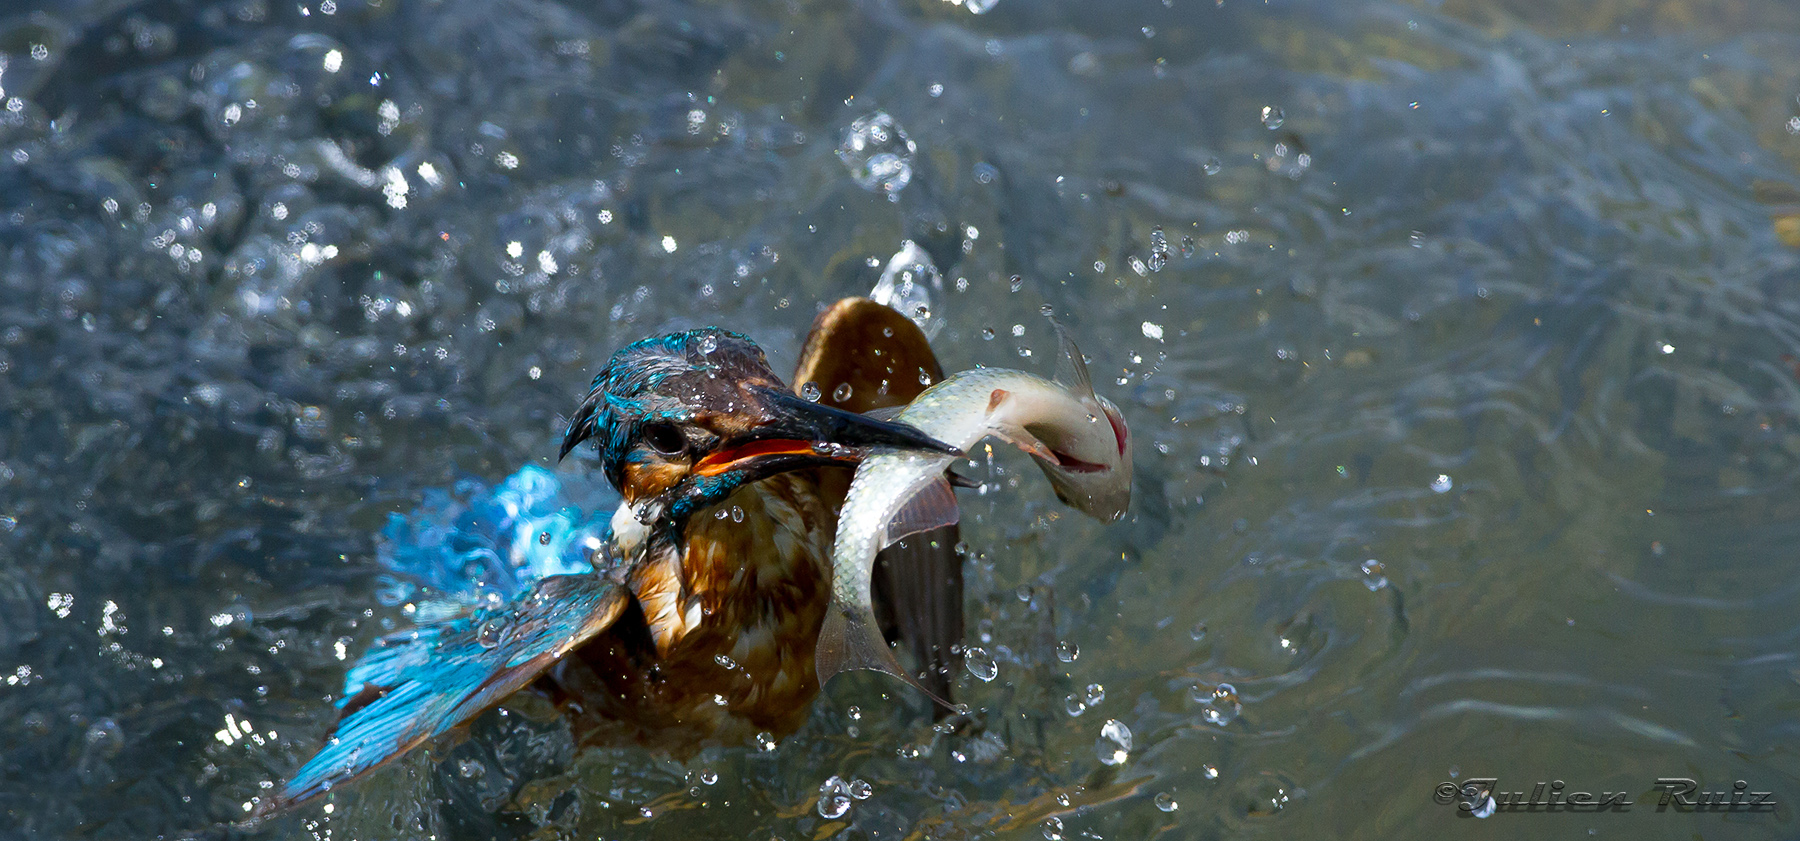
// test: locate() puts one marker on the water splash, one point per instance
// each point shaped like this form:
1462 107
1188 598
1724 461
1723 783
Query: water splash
473 544
908 284
879 154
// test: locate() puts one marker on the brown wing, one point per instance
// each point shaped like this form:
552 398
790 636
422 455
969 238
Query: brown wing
918 582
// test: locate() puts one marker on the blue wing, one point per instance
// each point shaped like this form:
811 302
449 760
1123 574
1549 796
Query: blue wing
419 684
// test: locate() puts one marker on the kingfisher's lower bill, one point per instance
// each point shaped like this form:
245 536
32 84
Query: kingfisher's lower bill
692 629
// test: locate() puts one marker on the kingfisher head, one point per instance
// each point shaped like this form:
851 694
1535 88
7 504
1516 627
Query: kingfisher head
683 420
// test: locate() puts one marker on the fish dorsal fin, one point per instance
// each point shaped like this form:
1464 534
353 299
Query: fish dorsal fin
1071 368
934 506
851 640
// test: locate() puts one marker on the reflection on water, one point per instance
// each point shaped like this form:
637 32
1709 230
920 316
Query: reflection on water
1459 339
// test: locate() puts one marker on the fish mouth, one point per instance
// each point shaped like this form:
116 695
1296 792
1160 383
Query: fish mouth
1067 462
800 433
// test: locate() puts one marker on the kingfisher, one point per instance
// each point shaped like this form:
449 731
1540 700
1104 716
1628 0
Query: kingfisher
698 622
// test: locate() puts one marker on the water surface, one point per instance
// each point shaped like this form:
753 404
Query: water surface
1459 341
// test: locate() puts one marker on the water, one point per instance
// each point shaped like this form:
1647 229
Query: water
1544 252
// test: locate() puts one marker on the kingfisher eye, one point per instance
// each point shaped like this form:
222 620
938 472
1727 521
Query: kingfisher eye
665 438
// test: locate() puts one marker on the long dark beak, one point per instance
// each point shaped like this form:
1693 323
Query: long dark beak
805 434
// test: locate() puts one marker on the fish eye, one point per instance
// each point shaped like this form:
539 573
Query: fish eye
665 439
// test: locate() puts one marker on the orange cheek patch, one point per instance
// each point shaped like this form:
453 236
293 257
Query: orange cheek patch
643 481
723 460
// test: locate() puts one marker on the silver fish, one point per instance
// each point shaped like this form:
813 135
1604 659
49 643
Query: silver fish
1078 439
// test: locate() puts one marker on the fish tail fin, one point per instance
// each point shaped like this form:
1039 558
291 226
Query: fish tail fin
850 639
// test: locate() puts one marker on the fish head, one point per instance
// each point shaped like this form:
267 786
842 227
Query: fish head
1088 461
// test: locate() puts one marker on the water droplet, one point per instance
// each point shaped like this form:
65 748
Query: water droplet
737 514
987 334
878 154
855 713
1166 802
1209 771
1273 117
766 743
1094 694
490 632
708 776
924 377
1015 283
1046 310
981 664
1053 829
842 392
1067 651
810 391
1198 632
1074 706
1442 484
834 798
1187 246
1114 745
725 662
1212 166
860 789
469 769
544 538
1486 807
1222 706
1374 574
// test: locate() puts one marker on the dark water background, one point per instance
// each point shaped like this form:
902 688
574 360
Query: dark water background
1501 296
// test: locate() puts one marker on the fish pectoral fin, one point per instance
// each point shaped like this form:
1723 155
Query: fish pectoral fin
411 691
933 507
850 639
1010 431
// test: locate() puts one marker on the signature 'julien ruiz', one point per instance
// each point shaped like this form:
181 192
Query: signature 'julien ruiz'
1478 795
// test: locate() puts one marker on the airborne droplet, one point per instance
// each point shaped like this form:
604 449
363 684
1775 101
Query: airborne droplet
1114 745
810 391
842 392
981 664
834 798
